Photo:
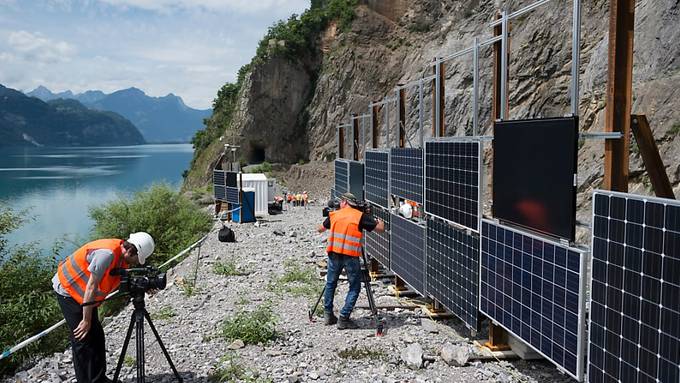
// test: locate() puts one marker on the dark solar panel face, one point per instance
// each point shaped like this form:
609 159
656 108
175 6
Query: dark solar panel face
407 256
635 303
377 177
453 270
230 179
218 177
452 181
219 193
378 244
232 194
531 287
341 176
406 173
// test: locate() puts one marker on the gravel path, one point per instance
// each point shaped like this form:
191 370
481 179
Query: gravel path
189 319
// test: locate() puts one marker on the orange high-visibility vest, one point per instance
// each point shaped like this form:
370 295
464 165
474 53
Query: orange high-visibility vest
345 237
73 273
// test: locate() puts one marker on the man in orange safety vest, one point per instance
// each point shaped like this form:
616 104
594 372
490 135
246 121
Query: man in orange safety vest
85 277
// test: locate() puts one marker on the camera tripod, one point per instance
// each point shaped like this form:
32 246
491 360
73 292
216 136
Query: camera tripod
137 322
366 279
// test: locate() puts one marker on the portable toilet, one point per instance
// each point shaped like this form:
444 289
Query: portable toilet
245 211
257 181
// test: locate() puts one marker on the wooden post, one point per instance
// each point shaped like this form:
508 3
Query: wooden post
341 142
497 51
402 117
355 138
498 338
619 93
438 99
375 128
651 157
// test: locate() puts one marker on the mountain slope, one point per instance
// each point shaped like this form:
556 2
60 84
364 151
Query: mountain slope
28 121
160 119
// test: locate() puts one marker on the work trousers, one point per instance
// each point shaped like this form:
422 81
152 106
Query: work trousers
89 354
352 266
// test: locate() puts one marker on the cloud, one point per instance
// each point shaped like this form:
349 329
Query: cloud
36 47
239 6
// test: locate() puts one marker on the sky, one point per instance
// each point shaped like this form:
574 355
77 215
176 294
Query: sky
186 47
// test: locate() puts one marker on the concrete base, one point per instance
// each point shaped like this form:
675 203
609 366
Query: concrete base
522 350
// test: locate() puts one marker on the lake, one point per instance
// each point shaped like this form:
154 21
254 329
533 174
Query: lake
58 185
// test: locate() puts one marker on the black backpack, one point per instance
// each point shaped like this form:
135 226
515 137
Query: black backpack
226 235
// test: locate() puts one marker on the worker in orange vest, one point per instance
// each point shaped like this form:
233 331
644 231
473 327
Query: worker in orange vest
344 250
85 277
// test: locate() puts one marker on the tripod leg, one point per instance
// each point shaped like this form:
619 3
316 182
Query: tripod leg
124 350
139 338
313 310
160 342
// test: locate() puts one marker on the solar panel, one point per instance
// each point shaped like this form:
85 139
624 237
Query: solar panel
218 177
453 270
230 179
341 177
452 177
406 173
378 244
407 255
377 176
232 194
532 288
635 290
219 193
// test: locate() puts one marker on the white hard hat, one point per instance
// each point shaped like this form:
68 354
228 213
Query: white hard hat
144 244
406 210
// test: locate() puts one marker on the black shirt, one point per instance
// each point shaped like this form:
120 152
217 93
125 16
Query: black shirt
367 222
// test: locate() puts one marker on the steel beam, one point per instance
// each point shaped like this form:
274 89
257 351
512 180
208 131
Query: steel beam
651 157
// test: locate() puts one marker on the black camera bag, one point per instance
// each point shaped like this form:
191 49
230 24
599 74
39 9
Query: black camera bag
226 235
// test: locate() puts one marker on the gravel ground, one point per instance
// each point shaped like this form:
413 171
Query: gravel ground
189 324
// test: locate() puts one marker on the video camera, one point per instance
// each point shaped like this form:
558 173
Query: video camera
334 204
139 280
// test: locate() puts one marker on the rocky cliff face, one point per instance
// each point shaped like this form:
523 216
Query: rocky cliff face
392 43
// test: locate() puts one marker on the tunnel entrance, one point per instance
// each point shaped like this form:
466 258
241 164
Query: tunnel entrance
257 154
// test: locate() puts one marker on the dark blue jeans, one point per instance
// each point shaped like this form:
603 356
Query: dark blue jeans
352 266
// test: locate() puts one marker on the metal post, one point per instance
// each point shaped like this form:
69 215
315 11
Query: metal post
437 79
387 124
504 64
619 93
341 142
475 88
375 128
575 57
420 114
401 100
355 137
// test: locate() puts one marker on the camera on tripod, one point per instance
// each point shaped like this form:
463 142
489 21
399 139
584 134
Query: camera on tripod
334 204
140 280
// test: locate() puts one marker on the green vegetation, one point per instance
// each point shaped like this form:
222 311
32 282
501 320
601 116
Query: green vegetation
28 302
229 268
297 280
252 327
164 313
173 220
129 361
264 167
674 130
188 287
230 369
362 353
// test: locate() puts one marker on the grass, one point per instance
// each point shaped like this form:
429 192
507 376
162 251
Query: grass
297 280
229 268
362 353
230 369
165 313
129 361
674 130
264 167
188 287
242 300
252 327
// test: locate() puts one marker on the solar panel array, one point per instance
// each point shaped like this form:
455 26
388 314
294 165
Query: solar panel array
635 305
406 173
453 270
219 193
231 194
532 288
230 179
377 177
407 255
378 244
341 177
218 185
452 175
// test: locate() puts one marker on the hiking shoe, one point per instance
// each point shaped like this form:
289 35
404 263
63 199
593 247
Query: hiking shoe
346 324
329 318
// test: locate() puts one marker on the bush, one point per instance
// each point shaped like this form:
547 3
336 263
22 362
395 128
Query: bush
252 327
173 220
264 167
28 302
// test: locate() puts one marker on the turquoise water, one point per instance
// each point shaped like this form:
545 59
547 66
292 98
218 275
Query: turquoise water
58 185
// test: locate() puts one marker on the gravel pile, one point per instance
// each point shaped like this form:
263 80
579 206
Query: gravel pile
189 318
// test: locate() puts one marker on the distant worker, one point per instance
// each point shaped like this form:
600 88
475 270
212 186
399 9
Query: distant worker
289 198
305 199
344 252
298 199
85 276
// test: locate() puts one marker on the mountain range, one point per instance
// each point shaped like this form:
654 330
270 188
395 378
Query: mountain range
159 119
28 121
